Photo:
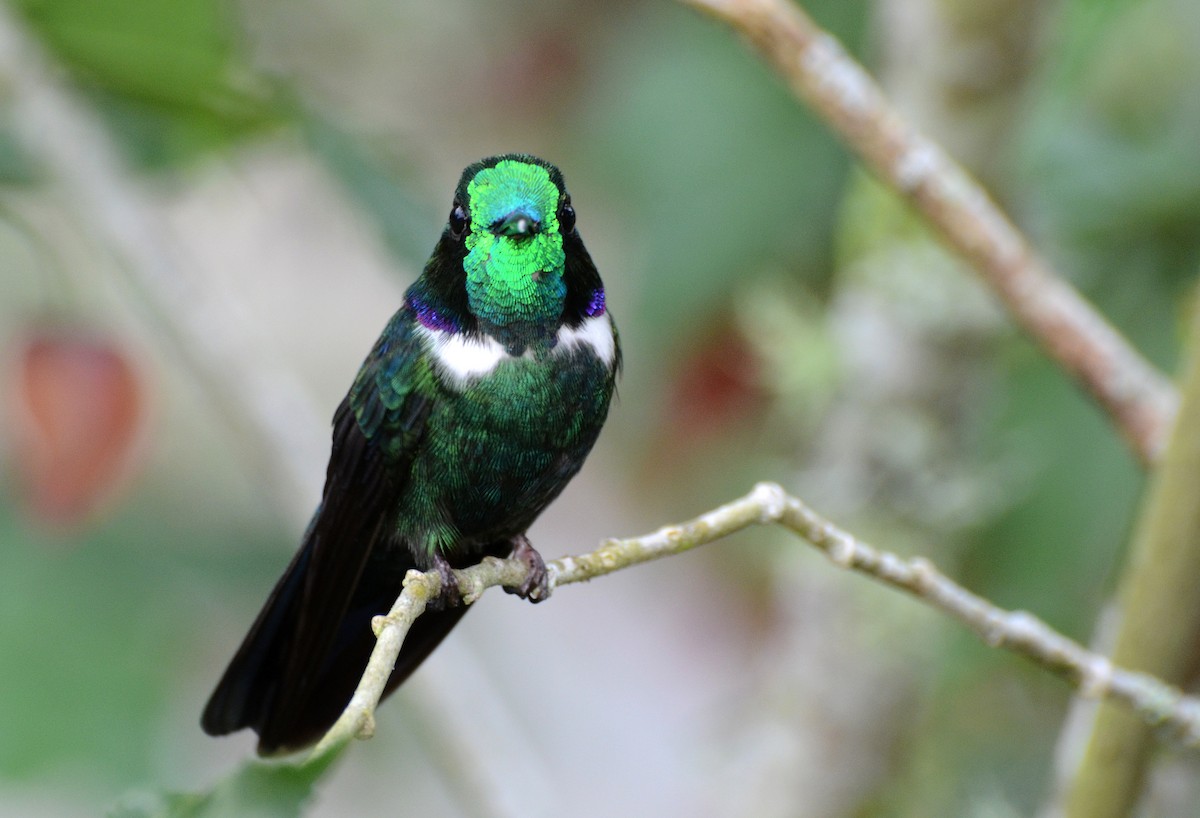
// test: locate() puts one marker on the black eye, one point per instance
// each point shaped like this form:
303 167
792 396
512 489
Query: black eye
459 219
566 217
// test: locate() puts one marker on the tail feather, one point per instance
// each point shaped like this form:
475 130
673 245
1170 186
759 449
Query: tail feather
244 694
301 660
289 713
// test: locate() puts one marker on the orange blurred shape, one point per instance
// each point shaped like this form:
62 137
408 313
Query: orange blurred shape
79 407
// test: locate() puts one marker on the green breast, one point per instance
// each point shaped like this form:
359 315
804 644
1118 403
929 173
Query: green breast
499 447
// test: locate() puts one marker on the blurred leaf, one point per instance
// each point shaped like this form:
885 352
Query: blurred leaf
81 657
96 638
165 73
257 790
173 51
1113 149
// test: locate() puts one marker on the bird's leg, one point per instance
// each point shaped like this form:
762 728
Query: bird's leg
536 586
449 596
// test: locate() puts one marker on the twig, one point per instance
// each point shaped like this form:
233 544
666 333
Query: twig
358 719
1156 703
1139 399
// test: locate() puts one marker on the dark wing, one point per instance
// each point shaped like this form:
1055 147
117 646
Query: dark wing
299 664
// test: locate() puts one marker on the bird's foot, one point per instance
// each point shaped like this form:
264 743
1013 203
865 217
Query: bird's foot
536 586
449 596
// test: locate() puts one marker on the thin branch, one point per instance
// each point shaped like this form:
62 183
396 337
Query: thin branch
1140 401
358 719
1156 703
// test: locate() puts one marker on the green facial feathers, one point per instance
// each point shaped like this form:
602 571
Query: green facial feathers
514 261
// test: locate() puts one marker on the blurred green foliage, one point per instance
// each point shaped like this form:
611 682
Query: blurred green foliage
709 149
256 790
168 76
96 633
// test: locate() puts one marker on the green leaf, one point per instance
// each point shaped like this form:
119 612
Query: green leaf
166 74
256 790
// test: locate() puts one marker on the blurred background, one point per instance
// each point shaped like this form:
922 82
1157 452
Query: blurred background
208 211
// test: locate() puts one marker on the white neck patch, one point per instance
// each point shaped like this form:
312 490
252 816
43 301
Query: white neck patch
463 358
596 332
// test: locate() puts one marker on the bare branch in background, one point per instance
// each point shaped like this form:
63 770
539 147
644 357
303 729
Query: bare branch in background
1175 715
1140 401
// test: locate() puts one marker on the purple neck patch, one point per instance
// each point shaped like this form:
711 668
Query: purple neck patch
431 318
596 304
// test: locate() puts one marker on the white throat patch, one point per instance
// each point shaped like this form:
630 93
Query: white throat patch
596 332
462 358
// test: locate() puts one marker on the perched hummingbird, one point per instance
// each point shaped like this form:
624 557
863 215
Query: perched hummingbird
477 405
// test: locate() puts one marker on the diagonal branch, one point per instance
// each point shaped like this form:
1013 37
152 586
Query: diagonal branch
1140 401
1156 703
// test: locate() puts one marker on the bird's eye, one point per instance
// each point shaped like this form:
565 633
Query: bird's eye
566 217
459 219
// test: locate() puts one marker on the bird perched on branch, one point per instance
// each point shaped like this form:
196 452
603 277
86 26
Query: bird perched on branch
477 405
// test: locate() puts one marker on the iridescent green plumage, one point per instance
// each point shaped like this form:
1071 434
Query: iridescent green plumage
478 403
514 274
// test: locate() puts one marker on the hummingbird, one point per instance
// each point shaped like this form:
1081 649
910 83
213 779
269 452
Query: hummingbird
475 407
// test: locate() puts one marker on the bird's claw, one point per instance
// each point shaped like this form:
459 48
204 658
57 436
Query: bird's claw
536 586
449 595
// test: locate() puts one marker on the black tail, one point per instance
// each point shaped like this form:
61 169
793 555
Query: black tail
302 659
291 696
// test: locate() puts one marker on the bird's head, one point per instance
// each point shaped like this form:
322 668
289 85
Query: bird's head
510 213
